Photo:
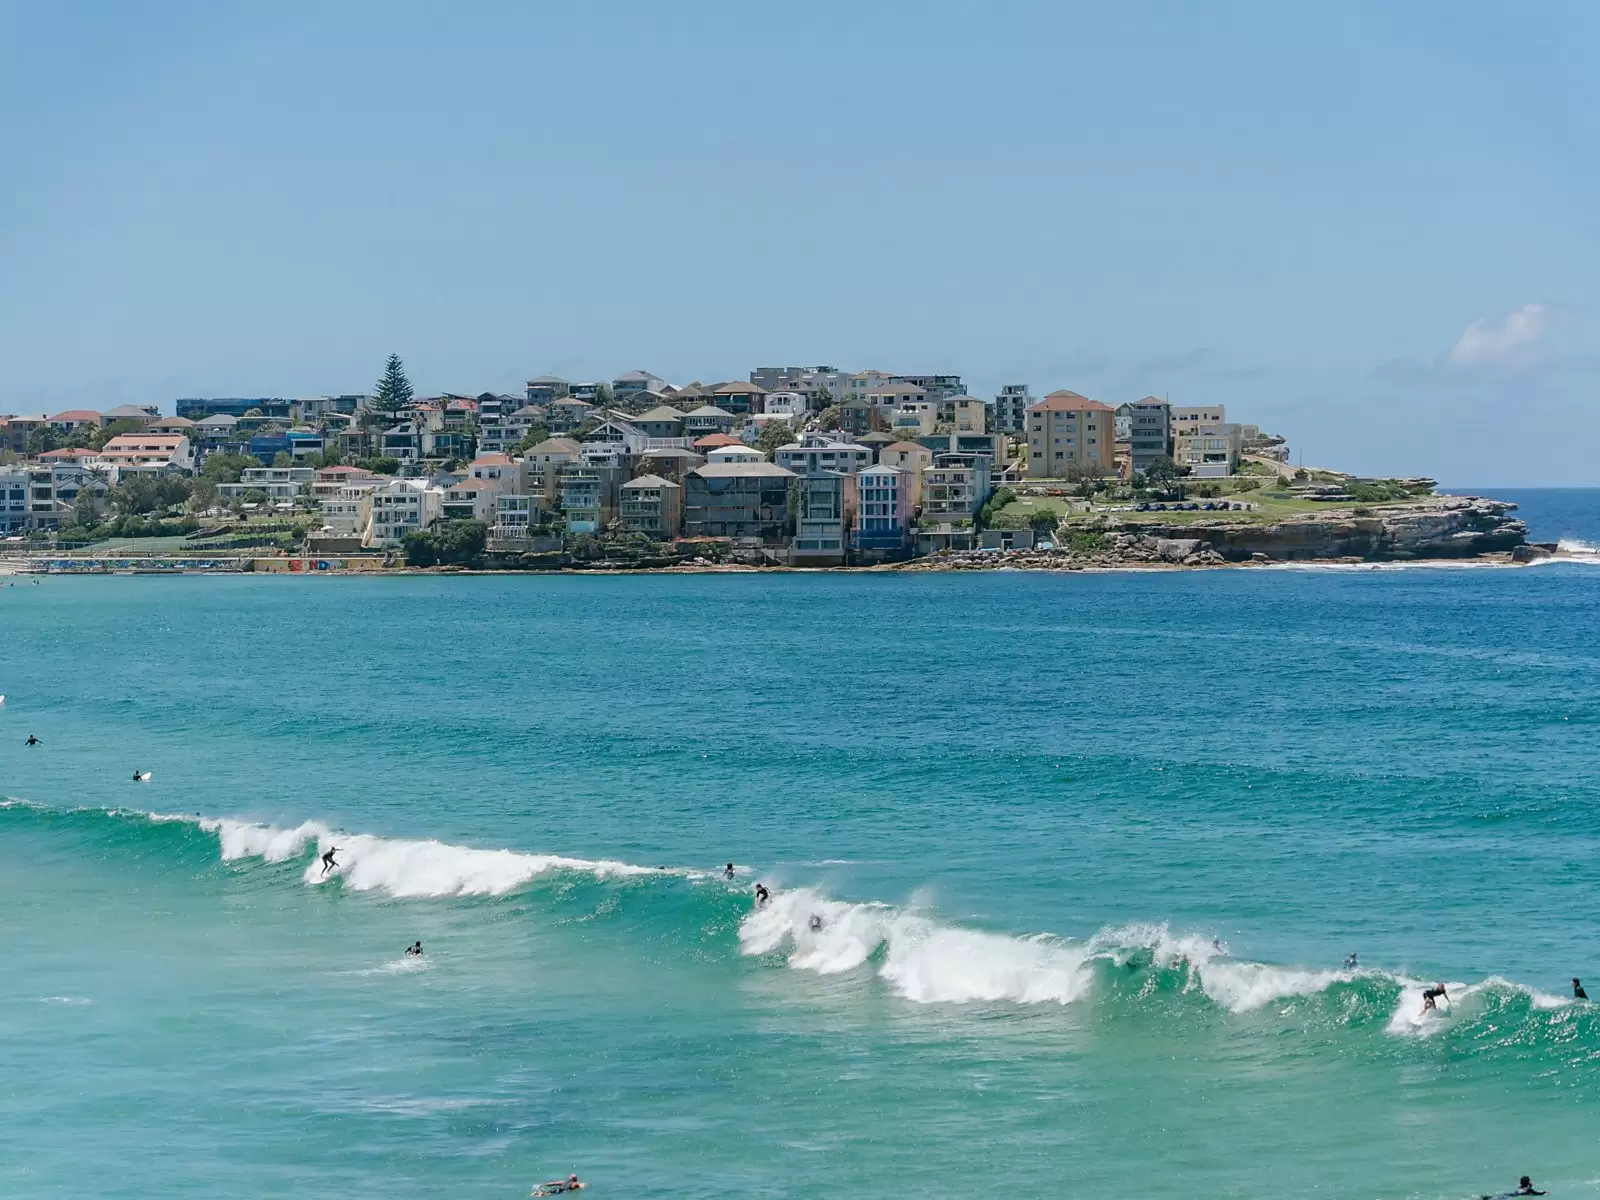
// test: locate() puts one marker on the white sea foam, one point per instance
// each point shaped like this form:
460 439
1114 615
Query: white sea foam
398 867
1576 546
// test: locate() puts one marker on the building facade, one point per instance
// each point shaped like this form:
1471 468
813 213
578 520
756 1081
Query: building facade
1070 434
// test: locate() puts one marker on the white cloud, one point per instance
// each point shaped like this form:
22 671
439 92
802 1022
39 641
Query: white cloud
1494 341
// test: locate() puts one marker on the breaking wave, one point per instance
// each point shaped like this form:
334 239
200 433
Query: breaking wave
916 956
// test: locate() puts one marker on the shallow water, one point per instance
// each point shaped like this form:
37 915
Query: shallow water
1088 851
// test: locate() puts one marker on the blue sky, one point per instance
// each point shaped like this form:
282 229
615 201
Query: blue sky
1370 227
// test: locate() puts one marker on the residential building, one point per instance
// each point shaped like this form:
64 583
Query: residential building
277 483
669 462
713 441
402 506
403 442
1149 431
500 470
661 422
13 500
197 409
747 500
588 392
934 387
777 379
53 491
652 506
992 444
148 451
855 416
954 488
824 515
585 498
142 414
629 382
967 414
15 432
892 395
470 499
74 419
856 386
1070 434
211 432
545 390
347 508
886 498
787 404
821 452
741 399
567 413
329 480
738 452
1189 420
179 425
914 420
912 458
1204 441
1011 408
706 419
874 442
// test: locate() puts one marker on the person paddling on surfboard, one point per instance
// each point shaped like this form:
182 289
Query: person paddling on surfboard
1431 997
327 859
414 950
1577 989
556 1186
1524 1188
138 776
32 741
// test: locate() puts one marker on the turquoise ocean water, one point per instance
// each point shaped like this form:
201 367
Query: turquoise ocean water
1088 850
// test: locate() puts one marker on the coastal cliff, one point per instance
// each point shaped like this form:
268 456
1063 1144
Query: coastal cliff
1448 527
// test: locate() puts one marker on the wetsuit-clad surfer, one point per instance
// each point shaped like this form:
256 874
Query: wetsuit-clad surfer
138 776
728 872
762 895
556 1186
816 923
327 860
414 950
1577 989
32 741
1351 962
1432 995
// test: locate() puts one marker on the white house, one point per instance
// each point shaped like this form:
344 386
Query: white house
821 452
400 507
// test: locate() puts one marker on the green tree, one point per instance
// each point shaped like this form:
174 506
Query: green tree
1044 521
1161 471
380 466
992 507
457 543
774 434
255 496
282 459
43 440
99 437
393 394
85 512
136 495
225 468
203 495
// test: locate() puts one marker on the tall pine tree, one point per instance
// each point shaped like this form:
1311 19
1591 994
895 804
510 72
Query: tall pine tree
394 393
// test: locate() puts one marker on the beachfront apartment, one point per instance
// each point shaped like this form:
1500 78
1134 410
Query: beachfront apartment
968 414
347 509
470 499
738 500
402 506
821 452
54 489
652 506
1069 434
824 515
885 499
1011 408
911 458
585 498
954 488
13 500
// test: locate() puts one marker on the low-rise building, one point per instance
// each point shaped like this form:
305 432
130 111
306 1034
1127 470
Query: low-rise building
652 506
661 422
148 451
276 483
566 414
470 500
347 508
707 419
890 396
402 506
54 490
912 421
741 399
747 500
822 452
545 390
967 414
912 458
585 498
632 382
1070 434
74 419
1204 441
13 500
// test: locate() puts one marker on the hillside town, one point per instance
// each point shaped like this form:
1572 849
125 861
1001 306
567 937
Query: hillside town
792 466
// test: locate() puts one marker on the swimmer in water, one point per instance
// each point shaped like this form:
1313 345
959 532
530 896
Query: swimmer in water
1351 962
1431 997
327 860
816 923
727 872
32 741
1524 1188
414 950
762 895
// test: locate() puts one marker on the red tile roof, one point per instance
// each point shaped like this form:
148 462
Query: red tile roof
1065 401
78 414
712 440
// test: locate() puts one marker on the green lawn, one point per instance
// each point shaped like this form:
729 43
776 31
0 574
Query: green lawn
1268 509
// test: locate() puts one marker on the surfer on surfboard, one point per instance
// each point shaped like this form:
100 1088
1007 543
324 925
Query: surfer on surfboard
1431 997
327 859
556 1186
